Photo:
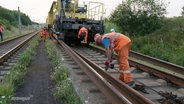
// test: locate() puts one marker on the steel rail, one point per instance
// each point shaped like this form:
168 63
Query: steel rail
116 91
158 62
13 50
162 74
105 87
6 41
132 95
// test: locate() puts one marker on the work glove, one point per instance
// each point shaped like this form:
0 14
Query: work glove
106 63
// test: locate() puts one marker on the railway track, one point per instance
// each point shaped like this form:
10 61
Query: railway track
11 51
152 85
157 83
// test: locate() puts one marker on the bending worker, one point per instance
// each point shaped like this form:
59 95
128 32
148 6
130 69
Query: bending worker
121 44
83 34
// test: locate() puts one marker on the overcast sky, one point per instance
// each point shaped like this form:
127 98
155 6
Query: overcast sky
37 10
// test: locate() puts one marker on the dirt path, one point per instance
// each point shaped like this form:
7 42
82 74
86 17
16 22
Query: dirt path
38 85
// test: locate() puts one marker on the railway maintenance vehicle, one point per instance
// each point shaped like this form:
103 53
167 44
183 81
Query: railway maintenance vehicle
66 17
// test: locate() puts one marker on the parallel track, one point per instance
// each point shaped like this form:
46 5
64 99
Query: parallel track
10 46
11 51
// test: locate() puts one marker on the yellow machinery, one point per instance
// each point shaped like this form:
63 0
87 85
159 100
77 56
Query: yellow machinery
67 16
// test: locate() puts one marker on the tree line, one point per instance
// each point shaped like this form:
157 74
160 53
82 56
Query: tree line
10 17
139 17
151 32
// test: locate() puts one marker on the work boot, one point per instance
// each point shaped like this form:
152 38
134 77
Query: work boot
130 83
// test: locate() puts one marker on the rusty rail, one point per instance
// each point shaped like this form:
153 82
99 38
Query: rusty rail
132 95
6 41
116 91
158 62
162 74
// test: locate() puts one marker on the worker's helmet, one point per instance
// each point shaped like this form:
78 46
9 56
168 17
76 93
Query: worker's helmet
112 30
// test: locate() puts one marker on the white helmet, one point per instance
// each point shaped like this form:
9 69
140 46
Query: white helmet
112 30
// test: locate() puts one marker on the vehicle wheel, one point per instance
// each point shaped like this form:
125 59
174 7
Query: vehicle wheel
88 42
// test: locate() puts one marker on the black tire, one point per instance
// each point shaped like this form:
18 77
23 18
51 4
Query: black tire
88 42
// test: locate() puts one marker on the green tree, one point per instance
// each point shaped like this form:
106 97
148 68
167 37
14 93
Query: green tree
12 17
25 19
139 17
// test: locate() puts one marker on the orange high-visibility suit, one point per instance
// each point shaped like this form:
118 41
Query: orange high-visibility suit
1 29
1 32
43 33
83 30
121 44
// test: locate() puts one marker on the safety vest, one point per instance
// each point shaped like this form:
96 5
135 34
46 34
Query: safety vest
1 29
113 38
116 40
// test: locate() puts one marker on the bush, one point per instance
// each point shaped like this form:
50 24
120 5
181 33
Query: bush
165 43
109 25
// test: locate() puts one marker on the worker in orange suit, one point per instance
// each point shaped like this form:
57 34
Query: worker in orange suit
1 32
43 33
121 44
83 34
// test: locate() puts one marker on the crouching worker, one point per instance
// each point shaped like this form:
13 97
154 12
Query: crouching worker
121 44
83 34
43 33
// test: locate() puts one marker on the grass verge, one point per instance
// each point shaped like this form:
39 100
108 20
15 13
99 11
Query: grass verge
14 32
16 76
64 91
